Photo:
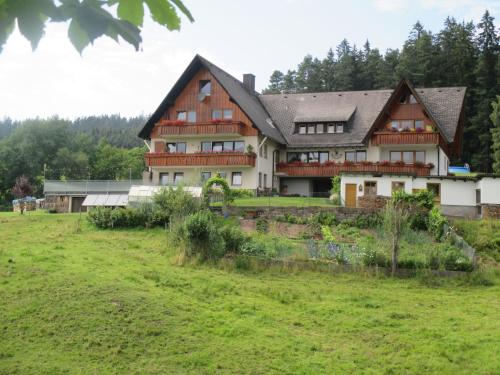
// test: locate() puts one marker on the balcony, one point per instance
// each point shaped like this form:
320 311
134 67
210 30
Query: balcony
179 128
331 169
165 159
405 138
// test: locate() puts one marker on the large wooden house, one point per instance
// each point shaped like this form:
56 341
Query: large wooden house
210 122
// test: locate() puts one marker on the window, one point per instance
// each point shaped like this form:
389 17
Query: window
181 115
163 179
191 116
323 156
265 151
260 179
320 128
355 156
227 114
217 146
402 99
406 124
205 176
311 129
360 156
436 190
350 156
398 185
419 124
370 187
216 114
339 128
236 179
239 146
412 100
176 147
308 157
331 128
205 87
178 177
395 125
407 156
265 180
206 146
222 175
302 129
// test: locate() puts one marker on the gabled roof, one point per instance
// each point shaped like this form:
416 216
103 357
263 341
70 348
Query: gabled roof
442 104
248 101
360 108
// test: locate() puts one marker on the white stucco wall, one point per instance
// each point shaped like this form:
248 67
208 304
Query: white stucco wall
263 164
384 184
490 190
453 192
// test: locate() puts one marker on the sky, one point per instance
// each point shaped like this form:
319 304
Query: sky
239 36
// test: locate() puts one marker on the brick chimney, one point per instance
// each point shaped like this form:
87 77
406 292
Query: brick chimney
249 82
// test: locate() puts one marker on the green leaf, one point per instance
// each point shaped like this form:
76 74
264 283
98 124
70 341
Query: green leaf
30 19
127 31
179 4
78 36
132 11
6 28
164 13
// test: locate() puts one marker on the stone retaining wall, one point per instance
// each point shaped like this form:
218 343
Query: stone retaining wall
491 211
342 213
376 202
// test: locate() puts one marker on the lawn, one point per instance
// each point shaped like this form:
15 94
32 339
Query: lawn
74 299
281 201
483 235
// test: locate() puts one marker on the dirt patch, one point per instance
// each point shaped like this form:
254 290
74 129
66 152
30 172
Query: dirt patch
247 225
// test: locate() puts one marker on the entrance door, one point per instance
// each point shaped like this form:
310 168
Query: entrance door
76 204
350 195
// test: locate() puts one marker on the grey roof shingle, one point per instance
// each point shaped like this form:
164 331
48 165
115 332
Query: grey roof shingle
248 101
275 115
445 105
367 104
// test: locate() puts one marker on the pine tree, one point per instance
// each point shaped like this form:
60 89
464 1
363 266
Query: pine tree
495 133
478 135
289 85
345 67
328 70
276 83
309 77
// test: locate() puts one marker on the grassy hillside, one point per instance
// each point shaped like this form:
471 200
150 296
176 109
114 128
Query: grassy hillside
90 301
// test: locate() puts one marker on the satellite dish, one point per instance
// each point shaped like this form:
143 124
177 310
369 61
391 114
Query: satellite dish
202 96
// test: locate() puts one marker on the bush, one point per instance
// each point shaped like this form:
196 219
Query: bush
104 218
173 203
375 257
436 223
262 225
202 236
242 193
233 238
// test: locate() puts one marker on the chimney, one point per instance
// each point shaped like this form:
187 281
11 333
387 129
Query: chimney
249 82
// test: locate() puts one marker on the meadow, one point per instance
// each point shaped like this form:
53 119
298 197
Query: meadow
79 300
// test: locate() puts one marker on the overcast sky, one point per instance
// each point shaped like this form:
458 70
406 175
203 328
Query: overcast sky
256 36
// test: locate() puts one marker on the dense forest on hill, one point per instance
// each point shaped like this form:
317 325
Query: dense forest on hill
96 147
461 54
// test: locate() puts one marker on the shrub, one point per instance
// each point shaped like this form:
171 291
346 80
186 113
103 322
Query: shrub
121 217
233 238
375 257
242 193
173 203
262 225
436 223
202 237
368 221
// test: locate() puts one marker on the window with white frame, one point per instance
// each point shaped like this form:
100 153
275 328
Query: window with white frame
236 179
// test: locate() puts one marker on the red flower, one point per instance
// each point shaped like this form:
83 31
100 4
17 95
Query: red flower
385 162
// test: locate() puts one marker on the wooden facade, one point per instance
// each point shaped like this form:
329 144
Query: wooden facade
405 138
204 128
165 159
290 169
218 99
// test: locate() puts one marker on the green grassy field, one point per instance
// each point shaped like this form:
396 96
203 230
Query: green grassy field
85 301
281 201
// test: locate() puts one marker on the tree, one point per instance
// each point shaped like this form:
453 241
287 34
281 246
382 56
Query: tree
495 133
89 19
308 77
21 190
276 83
396 215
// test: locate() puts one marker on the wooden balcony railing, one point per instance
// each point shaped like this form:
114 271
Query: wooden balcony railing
405 138
329 170
203 128
165 159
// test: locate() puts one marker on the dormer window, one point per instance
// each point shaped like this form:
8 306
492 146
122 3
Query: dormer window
302 129
205 87
330 128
